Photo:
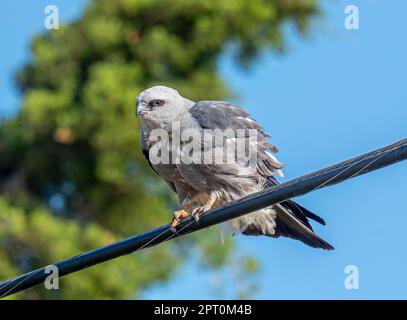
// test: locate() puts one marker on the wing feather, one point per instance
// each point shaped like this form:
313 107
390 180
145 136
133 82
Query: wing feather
291 219
224 115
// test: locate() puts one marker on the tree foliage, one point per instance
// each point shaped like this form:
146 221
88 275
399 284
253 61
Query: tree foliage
71 172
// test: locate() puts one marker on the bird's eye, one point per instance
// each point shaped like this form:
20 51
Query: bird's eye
156 103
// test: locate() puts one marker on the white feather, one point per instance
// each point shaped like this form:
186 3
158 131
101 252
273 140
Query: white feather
247 119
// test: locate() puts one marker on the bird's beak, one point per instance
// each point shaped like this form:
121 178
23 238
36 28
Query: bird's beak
140 112
139 109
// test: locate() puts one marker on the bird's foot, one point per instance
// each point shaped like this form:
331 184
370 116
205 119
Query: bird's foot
178 217
198 212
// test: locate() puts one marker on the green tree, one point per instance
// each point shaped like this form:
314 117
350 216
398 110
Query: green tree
71 172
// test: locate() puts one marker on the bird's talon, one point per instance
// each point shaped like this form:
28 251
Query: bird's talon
197 213
177 219
196 217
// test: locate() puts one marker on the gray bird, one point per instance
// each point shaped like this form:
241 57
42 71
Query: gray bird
201 186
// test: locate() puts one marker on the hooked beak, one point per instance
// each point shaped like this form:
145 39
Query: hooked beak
139 108
140 113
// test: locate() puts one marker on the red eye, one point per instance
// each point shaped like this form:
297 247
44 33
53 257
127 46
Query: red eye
156 103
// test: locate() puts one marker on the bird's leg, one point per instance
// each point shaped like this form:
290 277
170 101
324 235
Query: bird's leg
181 214
187 204
198 212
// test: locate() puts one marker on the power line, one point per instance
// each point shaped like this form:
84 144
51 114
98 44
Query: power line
319 179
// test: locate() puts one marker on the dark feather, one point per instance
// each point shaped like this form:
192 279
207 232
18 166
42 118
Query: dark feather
301 211
289 226
298 210
292 222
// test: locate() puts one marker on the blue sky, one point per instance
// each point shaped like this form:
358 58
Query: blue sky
334 96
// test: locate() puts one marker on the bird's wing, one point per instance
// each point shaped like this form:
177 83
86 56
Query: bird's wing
223 116
145 148
291 218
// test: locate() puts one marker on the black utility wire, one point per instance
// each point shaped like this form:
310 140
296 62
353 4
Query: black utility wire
319 179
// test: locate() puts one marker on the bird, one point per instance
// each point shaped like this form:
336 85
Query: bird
204 185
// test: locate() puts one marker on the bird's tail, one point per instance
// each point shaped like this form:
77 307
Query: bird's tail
291 220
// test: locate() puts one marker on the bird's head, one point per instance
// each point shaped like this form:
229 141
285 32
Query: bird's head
159 105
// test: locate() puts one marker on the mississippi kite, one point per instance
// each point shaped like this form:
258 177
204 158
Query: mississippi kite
202 186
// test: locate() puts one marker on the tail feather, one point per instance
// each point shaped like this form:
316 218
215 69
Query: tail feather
288 225
292 224
299 211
